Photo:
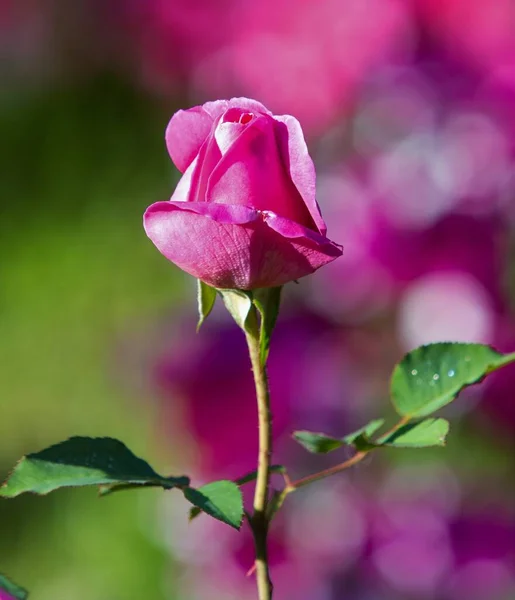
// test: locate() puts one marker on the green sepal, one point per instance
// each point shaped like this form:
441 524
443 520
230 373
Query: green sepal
239 304
431 376
267 301
83 461
242 305
206 296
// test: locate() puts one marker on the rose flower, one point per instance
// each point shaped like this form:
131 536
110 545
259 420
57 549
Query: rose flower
244 214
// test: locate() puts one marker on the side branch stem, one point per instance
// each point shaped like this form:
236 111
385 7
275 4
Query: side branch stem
259 521
358 457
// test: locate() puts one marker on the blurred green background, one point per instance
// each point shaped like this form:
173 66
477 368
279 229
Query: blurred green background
80 164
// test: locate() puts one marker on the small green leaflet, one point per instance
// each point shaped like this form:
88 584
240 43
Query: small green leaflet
206 296
220 499
320 443
83 461
15 591
317 443
418 434
432 376
361 437
195 511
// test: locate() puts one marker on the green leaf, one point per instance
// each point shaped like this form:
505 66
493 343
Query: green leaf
12 589
195 511
267 301
220 499
82 461
206 296
317 443
431 376
239 305
364 433
108 489
420 434
320 443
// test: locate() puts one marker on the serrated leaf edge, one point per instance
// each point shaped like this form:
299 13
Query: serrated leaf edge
194 506
505 359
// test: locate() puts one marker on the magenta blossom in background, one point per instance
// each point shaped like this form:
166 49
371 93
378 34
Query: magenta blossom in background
482 32
333 45
311 65
244 215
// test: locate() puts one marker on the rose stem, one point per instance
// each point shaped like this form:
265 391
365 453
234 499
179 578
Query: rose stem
259 522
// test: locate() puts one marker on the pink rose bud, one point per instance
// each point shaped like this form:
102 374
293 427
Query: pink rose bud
244 214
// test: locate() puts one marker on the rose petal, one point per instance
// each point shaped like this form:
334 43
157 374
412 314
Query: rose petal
185 134
291 229
188 129
251 172
207 159
299 164
218 107
227 133
185 184
235 246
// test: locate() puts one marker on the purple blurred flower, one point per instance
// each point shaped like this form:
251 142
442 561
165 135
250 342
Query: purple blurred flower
497 398
412 538
427 192
383 262
484 551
